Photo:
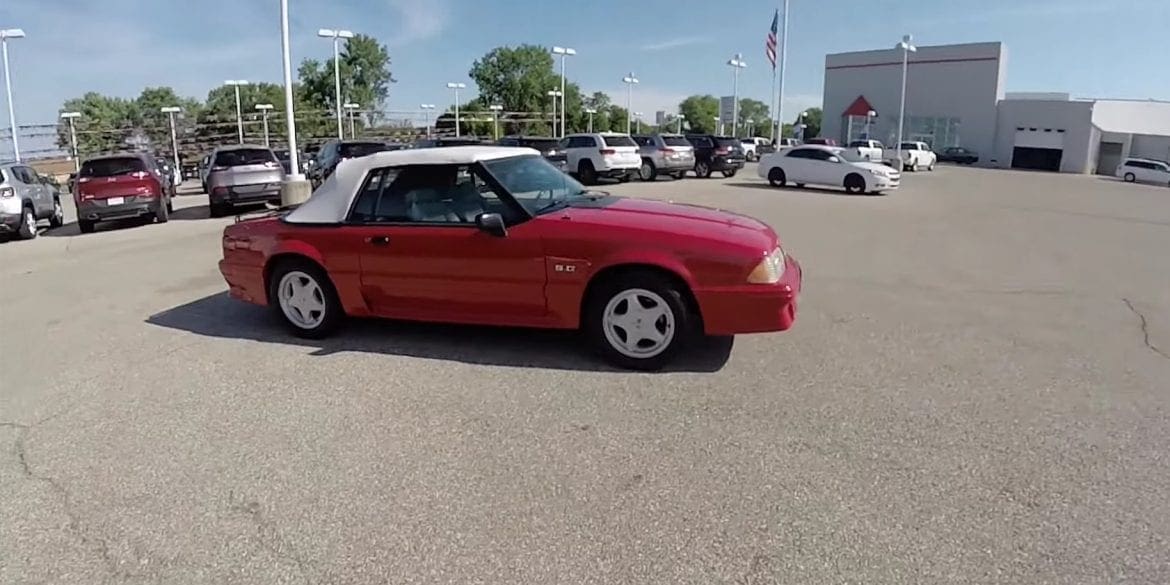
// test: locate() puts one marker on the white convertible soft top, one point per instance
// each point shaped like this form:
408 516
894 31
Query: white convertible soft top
332 200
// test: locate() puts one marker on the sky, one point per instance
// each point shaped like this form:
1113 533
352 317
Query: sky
1089 48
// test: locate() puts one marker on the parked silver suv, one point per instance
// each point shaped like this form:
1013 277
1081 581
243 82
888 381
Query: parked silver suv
664 154
26 198
242 174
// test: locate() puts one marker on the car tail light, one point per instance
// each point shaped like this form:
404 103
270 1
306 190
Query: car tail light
608 152
722 150
7 192
140 174
666 150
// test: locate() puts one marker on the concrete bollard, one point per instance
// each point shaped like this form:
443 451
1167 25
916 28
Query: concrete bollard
295 190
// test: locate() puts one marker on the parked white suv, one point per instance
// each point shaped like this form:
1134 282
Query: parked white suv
915 155
814 164
1144 170
605 154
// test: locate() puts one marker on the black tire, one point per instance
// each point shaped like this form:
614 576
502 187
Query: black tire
170 205
586 172
333 315
624 178
914 166
58 218
647 172
800 185
680 175
1129 178
218 209
776 177
730 174
702 169
162 213
85 226
626 282
28 224
854 183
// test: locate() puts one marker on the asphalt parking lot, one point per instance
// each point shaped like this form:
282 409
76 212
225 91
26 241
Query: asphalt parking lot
977 390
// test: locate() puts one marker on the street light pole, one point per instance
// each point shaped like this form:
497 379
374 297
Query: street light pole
495 108
336 35
736 64
239 115
563 52
638 121
69 117
351 111
907 47
264 108
456 87
170 111
295 189
590 111
869 122
629 80
718 125
5 34
426 108
679 120
554 94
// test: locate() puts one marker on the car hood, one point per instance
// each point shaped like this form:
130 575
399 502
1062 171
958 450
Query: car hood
692 221
871 166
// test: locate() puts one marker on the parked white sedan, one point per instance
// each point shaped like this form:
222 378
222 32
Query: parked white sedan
827 165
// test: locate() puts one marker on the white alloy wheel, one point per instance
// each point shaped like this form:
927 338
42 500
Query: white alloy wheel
30 220
638 323
301 299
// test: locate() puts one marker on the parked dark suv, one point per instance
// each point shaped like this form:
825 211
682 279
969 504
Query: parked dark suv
121 186
716 153
335 151
549 148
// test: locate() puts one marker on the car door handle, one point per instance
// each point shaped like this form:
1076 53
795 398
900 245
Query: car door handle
378 240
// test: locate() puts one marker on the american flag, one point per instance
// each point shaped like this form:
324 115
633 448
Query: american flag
770 44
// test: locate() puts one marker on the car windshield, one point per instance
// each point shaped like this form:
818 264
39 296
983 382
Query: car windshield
726 141
359 149
618 140
244 156
112 167
534 183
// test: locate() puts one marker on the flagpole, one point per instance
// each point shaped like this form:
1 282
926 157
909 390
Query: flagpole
771 103
779 130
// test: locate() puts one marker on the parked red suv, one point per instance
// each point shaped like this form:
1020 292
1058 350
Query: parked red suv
120 186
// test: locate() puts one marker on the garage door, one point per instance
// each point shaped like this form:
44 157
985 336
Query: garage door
1108 158
1040 159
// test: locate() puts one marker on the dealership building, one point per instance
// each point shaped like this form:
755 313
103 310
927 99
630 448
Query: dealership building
955 97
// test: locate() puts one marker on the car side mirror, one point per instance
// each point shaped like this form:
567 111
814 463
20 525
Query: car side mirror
491 223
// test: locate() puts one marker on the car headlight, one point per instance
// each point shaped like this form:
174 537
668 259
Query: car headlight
770 270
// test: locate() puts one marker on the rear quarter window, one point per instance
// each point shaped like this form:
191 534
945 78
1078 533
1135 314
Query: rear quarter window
621 140
112 167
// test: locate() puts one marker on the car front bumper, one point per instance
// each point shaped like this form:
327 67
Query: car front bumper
10 222
878 183
99 210
752 308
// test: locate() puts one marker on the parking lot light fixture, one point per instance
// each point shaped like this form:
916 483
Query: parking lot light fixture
69 117
679 119
629 80
564 52
351 111
554 94
170 111
295 189
638 122
736 64
336 35
869 116
264 109
426 108
590 112
718 124
496 108
456 87
5 34
239 115
907 47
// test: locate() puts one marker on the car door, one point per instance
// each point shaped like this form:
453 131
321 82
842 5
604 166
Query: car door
797 165
824 168
422 256
33 189
1162 173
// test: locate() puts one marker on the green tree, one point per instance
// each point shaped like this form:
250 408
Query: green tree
365 79
812 121
517 78
155 124
753 114
700 112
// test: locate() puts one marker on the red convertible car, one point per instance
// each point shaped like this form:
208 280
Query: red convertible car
498 236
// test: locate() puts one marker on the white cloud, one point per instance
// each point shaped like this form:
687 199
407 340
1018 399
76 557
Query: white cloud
675 43
421 20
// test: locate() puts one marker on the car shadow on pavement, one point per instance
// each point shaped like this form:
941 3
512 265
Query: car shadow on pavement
794 189
219 315
70 230
188 213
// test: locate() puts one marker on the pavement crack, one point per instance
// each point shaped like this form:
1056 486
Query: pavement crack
1145 329
267 534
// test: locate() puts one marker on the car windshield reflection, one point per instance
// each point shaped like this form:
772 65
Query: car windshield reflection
535 184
